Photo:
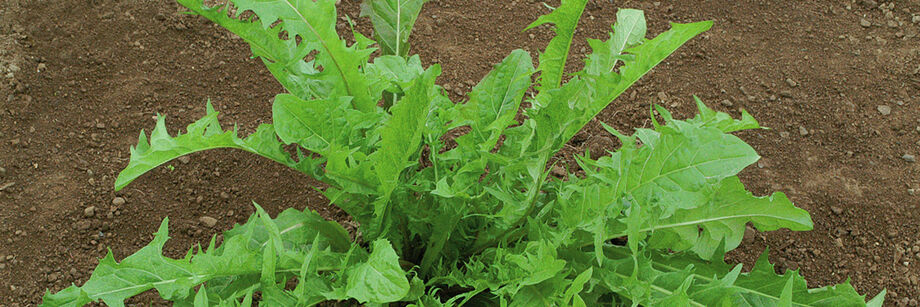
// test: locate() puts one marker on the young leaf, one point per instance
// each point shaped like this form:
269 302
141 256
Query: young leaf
495 100
629 30
393 21
203 134
552 60
401 137
380 279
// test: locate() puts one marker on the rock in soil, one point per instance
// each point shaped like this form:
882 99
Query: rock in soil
884 110
208 221
909 158
89 211
118 201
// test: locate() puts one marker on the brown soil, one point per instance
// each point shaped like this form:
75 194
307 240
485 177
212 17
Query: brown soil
93 73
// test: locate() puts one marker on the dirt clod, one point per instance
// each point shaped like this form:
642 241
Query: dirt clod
208 221
89 211
884 110
118 201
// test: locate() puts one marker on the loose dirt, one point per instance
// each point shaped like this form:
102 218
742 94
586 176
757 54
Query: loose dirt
837 81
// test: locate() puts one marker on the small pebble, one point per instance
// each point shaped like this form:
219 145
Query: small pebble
224 195
558 171
118 201
785 94
89 211
836 210
909 158
791 82
727 102
884 110
864 23
184 159
803 131
208 221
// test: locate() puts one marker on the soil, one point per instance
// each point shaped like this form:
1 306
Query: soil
838 81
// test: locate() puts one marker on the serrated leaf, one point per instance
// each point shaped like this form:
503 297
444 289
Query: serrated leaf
628 30
283 58
380 279
715 284
314 23
393 21
552 60
315 125
203 134
227 268
721 222
495 101
400 137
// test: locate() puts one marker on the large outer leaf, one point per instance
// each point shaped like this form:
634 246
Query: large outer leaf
717 284
203 134
723 220
314 22
242 254
679 188
380 279
552 60
393 21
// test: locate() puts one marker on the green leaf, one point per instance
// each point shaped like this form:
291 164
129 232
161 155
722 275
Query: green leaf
401 136
380 279
283 58
314 23
394 72
393 21
628 31
710 118
721 222
316 125
203 134
495 100
226 268
201 298
552 60
716 284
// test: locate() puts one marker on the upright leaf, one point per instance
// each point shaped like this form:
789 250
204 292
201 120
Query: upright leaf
495 100
393 21
552 60
401 136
